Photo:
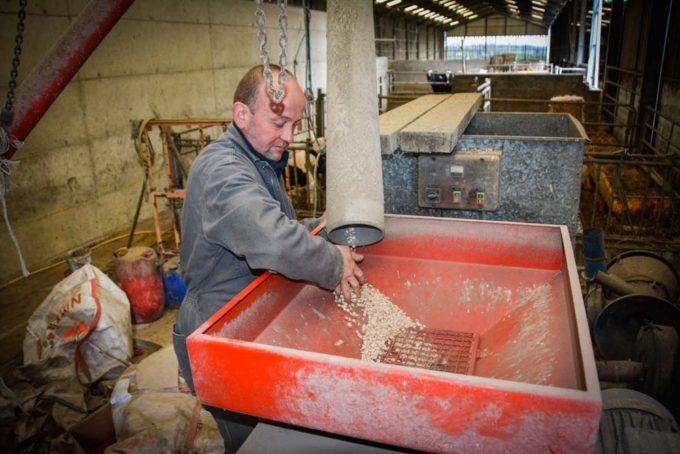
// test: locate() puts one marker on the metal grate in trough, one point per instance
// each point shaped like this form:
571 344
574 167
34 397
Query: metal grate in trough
434 349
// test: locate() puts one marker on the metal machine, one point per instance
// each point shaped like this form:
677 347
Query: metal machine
635 320
282 350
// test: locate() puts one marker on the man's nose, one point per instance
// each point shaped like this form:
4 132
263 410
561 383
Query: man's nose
288 134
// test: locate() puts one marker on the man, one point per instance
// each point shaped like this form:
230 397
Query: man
237 222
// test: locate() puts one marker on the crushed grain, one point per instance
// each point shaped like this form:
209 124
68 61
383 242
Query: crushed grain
351 237
379 318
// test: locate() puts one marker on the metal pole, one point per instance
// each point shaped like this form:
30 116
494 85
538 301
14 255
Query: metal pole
594 51
582 32
47 80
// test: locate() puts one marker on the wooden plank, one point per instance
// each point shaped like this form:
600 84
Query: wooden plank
393 121
438 130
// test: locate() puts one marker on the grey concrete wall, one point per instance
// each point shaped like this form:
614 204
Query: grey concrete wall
409 76
79 179
399 38
529 86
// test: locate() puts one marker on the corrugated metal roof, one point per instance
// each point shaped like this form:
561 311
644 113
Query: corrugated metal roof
453 13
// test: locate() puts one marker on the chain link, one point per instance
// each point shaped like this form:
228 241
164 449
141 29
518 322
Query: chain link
14 73
276 95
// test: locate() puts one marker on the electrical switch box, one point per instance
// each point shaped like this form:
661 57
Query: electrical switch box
465 180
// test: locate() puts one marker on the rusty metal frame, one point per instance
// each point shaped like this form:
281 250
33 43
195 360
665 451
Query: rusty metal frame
651 218
174 194
170 192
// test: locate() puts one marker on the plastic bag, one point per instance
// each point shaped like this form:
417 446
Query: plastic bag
152 420
81 330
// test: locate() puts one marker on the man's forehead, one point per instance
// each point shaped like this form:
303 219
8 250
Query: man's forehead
289 102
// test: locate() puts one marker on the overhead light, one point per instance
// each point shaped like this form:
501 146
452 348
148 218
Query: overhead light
410 8
423 12
536 16
417 11
392 3
380 1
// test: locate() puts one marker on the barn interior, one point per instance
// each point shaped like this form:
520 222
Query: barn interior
509 170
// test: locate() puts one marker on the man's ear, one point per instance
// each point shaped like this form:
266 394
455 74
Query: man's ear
241 114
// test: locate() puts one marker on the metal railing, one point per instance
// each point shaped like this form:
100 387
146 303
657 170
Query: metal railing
180 142
485 89
621 85
634 193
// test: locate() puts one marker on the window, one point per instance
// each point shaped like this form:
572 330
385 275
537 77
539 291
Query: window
527 48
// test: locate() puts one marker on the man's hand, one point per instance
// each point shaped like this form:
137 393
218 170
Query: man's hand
352 276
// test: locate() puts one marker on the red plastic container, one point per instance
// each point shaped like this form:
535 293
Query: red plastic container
273 351
138 274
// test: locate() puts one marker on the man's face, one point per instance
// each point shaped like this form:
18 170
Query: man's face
268 132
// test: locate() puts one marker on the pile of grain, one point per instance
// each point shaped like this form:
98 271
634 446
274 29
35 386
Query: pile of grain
380 320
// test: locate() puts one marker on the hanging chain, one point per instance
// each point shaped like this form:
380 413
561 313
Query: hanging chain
9 104
276 95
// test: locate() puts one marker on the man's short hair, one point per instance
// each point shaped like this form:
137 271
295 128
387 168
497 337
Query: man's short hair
246 90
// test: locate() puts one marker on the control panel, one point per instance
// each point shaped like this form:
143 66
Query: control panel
464 180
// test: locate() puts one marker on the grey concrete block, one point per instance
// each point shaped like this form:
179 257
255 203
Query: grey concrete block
62 126
188 11
115 164
39 36
147 48
49 182
47 238
392 122
242 13
49 8
238 47
438 130
111 103
114 210
225 81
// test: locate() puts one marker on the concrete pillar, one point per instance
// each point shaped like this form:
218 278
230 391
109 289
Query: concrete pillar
354 183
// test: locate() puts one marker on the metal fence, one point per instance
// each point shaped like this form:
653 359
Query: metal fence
633 194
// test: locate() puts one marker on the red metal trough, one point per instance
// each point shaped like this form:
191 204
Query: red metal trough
274 350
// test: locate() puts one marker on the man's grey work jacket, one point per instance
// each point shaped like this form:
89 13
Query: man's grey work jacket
237 222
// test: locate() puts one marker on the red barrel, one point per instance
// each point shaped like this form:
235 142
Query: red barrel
139 275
